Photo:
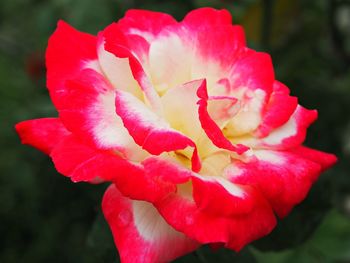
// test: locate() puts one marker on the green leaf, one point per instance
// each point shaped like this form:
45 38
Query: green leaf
330 243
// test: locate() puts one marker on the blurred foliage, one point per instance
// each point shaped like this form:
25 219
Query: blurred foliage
46 218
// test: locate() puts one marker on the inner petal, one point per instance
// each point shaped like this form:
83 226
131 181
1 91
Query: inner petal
248 117
180 109
170 61
117 70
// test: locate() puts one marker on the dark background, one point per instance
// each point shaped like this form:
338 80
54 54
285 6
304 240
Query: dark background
46 218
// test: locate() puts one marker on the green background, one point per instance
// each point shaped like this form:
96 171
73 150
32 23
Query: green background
46 218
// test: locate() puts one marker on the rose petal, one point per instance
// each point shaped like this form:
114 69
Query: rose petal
150 95
251 82
213 17
145 23
181 109
170 60
116 69
68 52
210 127
287 136
80 162
149 130
278 110
293 132
86 107
201 218
42 134
326 160
216 48
284 178
140 233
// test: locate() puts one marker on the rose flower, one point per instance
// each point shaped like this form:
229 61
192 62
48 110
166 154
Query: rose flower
200 143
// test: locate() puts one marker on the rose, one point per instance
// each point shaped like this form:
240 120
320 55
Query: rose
200 141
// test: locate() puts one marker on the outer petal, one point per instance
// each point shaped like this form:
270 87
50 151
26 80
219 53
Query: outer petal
200 217
80 162
287 136
278 110
147 24
326 160
86 107
284 178
42 134
213 17
68 52
77 160
140 233
293 132
253 70
149 130
217 48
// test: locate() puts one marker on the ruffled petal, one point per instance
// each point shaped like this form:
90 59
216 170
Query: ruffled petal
185 52
77 160
170 60
42 134
278 110
149 130
212 130
145 23
194 208
252 70
86 107
216 48
137 68
293 132
284 178
251 82
213 17
326 160
83 163
181 109
289 135
140 233
116 69
69 51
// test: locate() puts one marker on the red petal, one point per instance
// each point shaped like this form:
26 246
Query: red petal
68 52
117 70
149 130
144 23
42 134
248 216
278 110
207 16
253 70
289 135
140 233
293 132
326 160
86 107
121 50
81 162
219 44
210 127
284 178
